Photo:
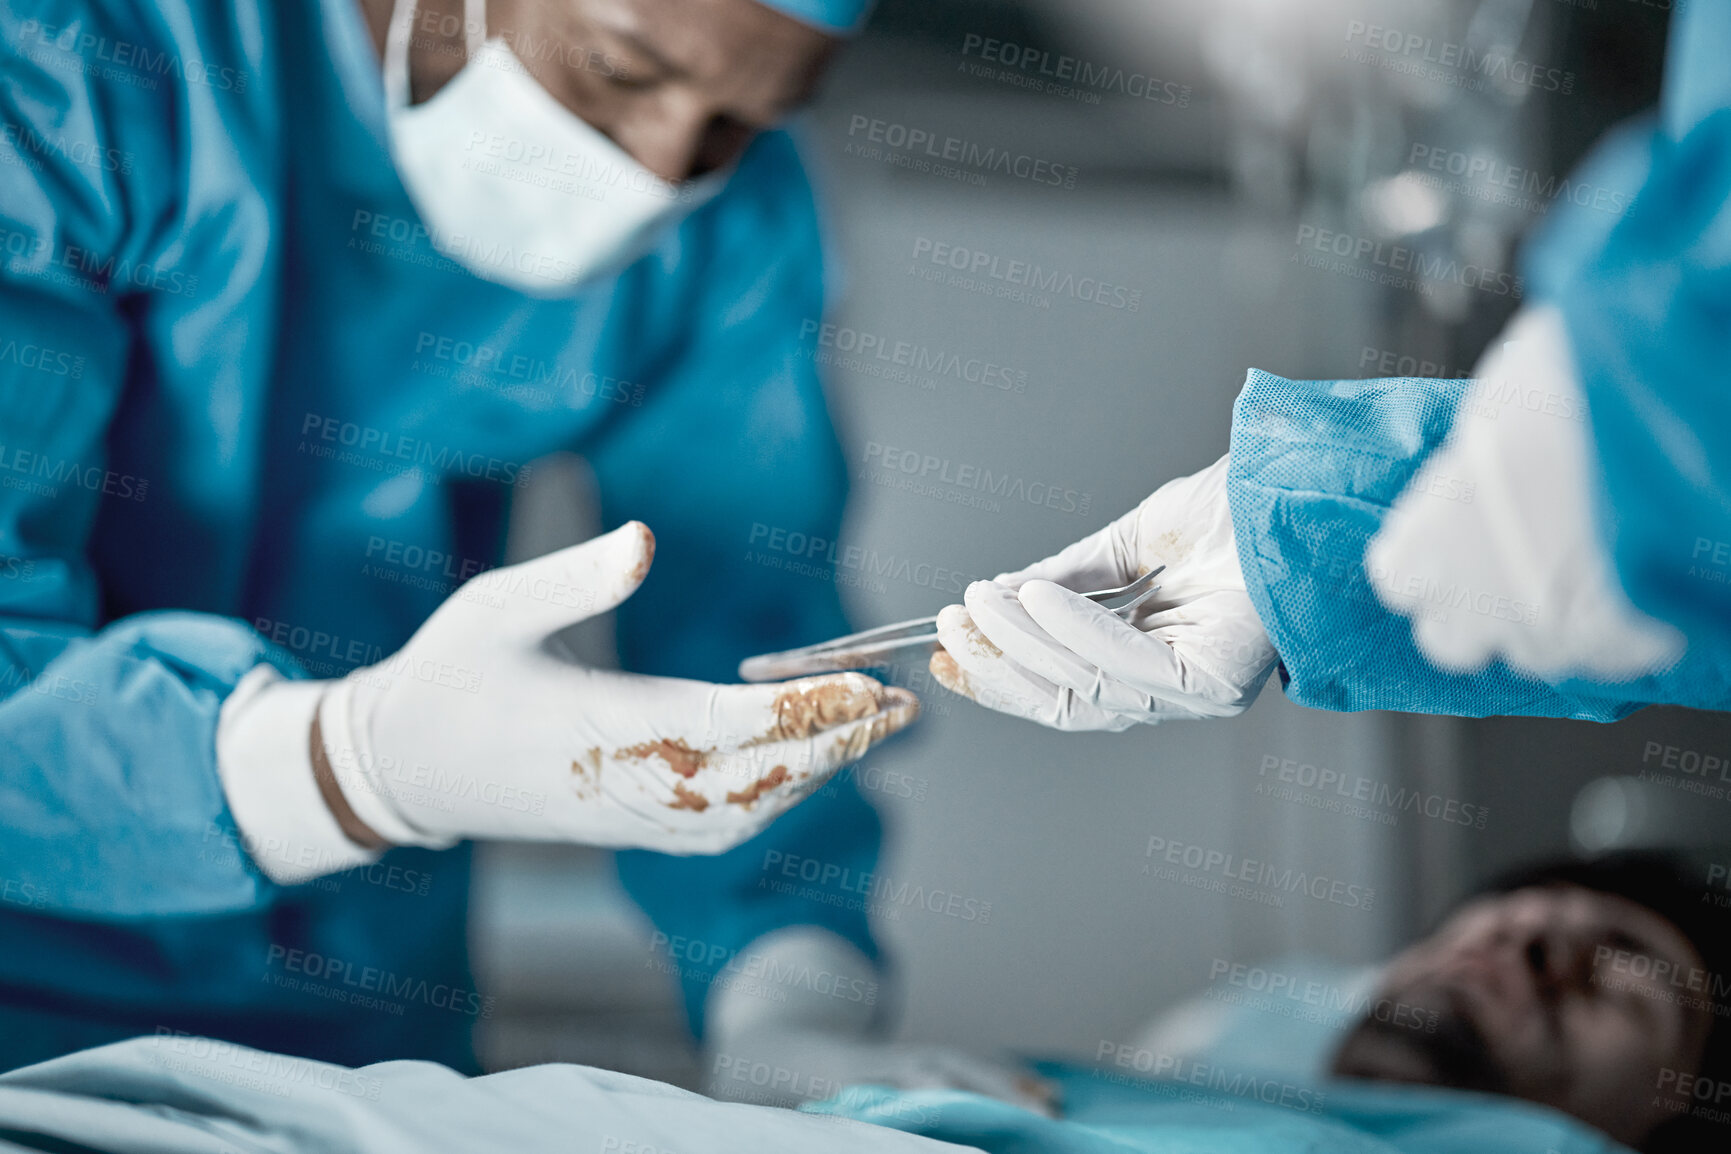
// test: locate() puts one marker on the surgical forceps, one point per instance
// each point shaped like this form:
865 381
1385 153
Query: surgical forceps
868 648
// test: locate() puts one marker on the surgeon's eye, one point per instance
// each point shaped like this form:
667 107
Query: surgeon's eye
724 138
1623 940
633 79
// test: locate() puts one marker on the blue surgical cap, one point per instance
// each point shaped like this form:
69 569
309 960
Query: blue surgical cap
837 17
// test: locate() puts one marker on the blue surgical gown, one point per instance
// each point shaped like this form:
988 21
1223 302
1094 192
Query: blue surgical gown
1646 299
248 415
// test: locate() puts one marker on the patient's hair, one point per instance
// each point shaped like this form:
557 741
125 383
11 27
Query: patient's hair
1674 888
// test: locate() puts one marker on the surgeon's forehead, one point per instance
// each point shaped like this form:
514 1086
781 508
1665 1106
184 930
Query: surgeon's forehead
762 59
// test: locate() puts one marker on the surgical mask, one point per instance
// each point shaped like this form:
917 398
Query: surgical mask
511 184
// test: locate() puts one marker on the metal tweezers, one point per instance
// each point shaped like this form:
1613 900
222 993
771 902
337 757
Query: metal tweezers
869 648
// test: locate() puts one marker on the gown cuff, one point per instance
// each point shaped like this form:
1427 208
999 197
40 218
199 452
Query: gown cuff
264 759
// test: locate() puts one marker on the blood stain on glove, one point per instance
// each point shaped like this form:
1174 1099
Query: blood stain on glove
806 708
687 799
680 757
586 774
1173 547
950 675
641 569
979 642
852 745
748 796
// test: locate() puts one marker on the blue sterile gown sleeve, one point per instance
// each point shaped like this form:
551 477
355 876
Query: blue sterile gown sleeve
1646 298
109 783
202 258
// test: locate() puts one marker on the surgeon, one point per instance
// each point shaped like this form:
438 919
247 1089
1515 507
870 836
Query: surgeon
1551 539
291 297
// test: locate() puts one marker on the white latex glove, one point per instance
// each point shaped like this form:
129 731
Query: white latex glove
1025 644
483 726
1493 548
784 1026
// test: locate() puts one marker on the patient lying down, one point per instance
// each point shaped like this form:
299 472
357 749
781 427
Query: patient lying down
1598 989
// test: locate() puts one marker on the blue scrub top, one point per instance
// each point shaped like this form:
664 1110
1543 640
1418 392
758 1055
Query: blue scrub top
248 414
1646 298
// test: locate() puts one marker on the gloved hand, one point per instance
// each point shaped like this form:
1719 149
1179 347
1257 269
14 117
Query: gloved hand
483 726
1493 548
811 1039
1025 644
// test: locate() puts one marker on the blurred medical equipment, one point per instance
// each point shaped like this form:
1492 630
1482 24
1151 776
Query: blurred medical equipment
1504 511
536 746
824 1030
870 646
1623 812
1027 645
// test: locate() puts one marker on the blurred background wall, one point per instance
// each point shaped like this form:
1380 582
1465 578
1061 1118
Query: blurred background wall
1185 165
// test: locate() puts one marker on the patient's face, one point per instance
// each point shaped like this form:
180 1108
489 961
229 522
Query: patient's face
1534 1000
